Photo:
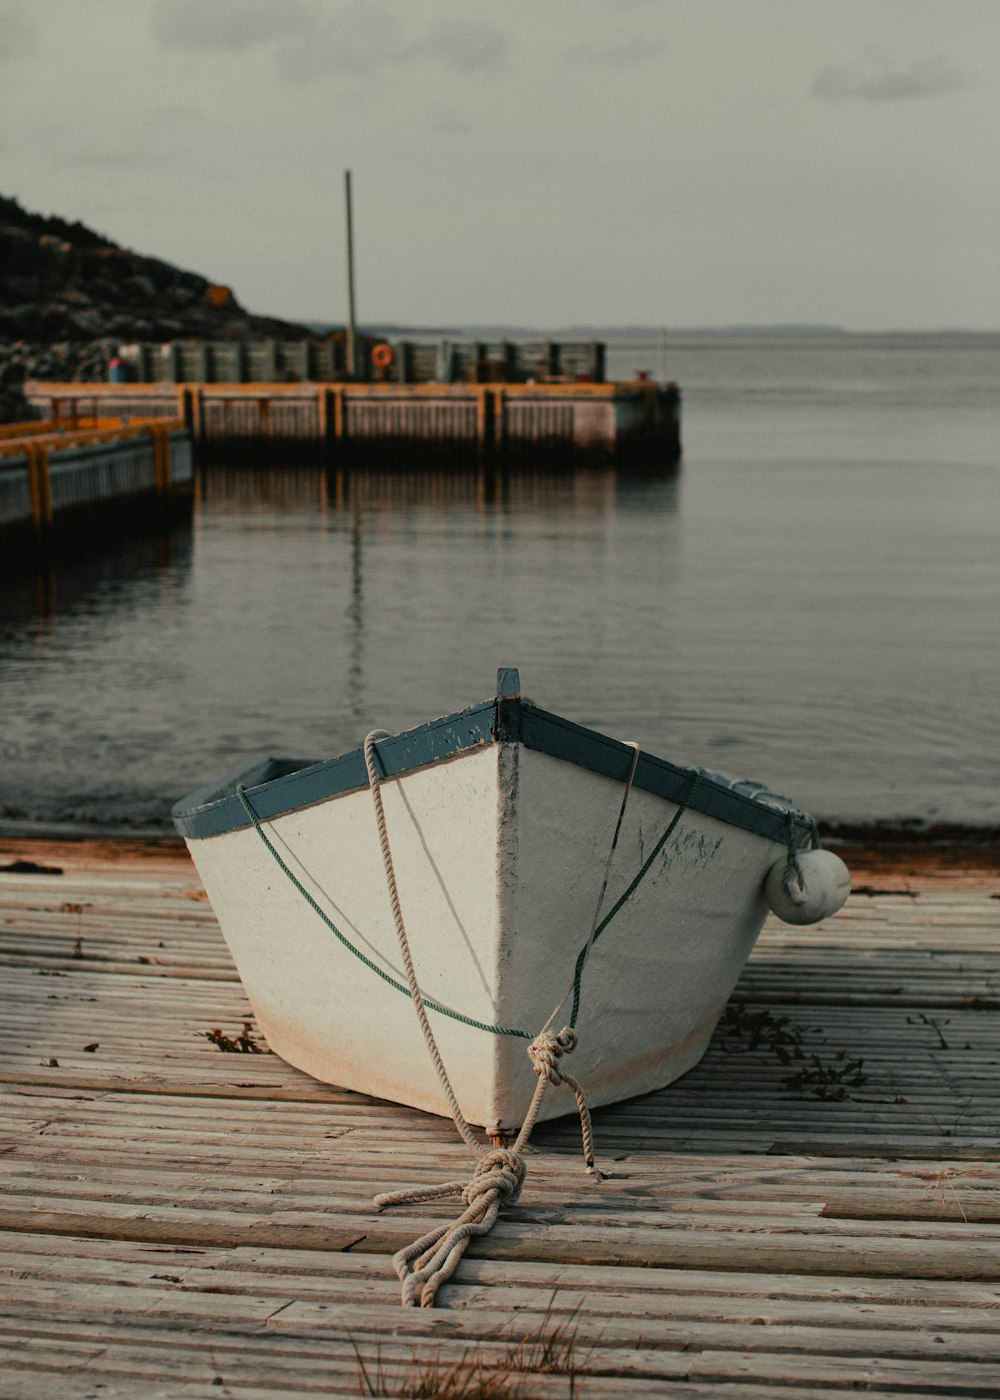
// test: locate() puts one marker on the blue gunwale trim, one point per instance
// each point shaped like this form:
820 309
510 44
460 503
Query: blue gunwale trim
278 786
588 748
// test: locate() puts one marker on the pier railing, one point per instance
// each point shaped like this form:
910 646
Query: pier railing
103 470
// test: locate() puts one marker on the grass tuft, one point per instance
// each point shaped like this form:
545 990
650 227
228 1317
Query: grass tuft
550 1350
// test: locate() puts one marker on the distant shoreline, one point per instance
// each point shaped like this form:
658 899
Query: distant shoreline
473 330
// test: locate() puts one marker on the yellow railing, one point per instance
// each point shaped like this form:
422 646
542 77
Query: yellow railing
39 427
35 442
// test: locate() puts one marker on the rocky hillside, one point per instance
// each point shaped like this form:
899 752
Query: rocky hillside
69 294
63 281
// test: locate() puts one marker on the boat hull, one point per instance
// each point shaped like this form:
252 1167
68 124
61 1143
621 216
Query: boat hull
499 848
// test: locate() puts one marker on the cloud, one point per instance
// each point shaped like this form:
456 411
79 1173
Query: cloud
18 34
310 40
356 38
622 54
365 37
448 123
464 45
231 26
161 139
876 79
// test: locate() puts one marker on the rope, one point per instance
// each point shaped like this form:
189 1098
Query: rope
434 1257
466 1133
499 1174
430 1261
423 1266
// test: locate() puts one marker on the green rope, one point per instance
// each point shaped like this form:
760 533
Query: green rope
696 775
373 966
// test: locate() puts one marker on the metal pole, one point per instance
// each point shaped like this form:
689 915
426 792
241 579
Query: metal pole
352 360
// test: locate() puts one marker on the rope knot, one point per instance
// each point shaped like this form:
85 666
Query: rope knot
547 1049
501 1172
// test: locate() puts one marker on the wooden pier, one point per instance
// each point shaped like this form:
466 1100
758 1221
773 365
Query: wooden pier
504 421
176 1221
88 476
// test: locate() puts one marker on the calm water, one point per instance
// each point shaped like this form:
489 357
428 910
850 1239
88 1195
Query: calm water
811 600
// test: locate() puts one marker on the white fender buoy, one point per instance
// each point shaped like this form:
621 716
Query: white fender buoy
823 889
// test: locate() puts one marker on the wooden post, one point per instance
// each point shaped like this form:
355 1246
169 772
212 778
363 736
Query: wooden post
45 483
648 409
489 442
484 403
161 459
352 350
326 414
154 439
34 495
499 421
39 486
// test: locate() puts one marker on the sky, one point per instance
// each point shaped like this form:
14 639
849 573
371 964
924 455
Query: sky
548 163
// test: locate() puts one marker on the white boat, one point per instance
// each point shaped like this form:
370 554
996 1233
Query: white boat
500 819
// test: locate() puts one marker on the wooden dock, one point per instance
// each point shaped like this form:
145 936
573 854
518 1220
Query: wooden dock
506 422
181 1222
65 482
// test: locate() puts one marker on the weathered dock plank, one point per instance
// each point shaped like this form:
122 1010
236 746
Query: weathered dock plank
179 1222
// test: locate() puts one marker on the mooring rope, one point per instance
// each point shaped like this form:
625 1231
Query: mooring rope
430 1261
499 1173
423 1266
466 1133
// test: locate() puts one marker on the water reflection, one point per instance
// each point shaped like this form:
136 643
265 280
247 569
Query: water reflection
321 492
87 584
284 488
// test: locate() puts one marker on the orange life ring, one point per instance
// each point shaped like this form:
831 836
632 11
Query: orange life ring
382 356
